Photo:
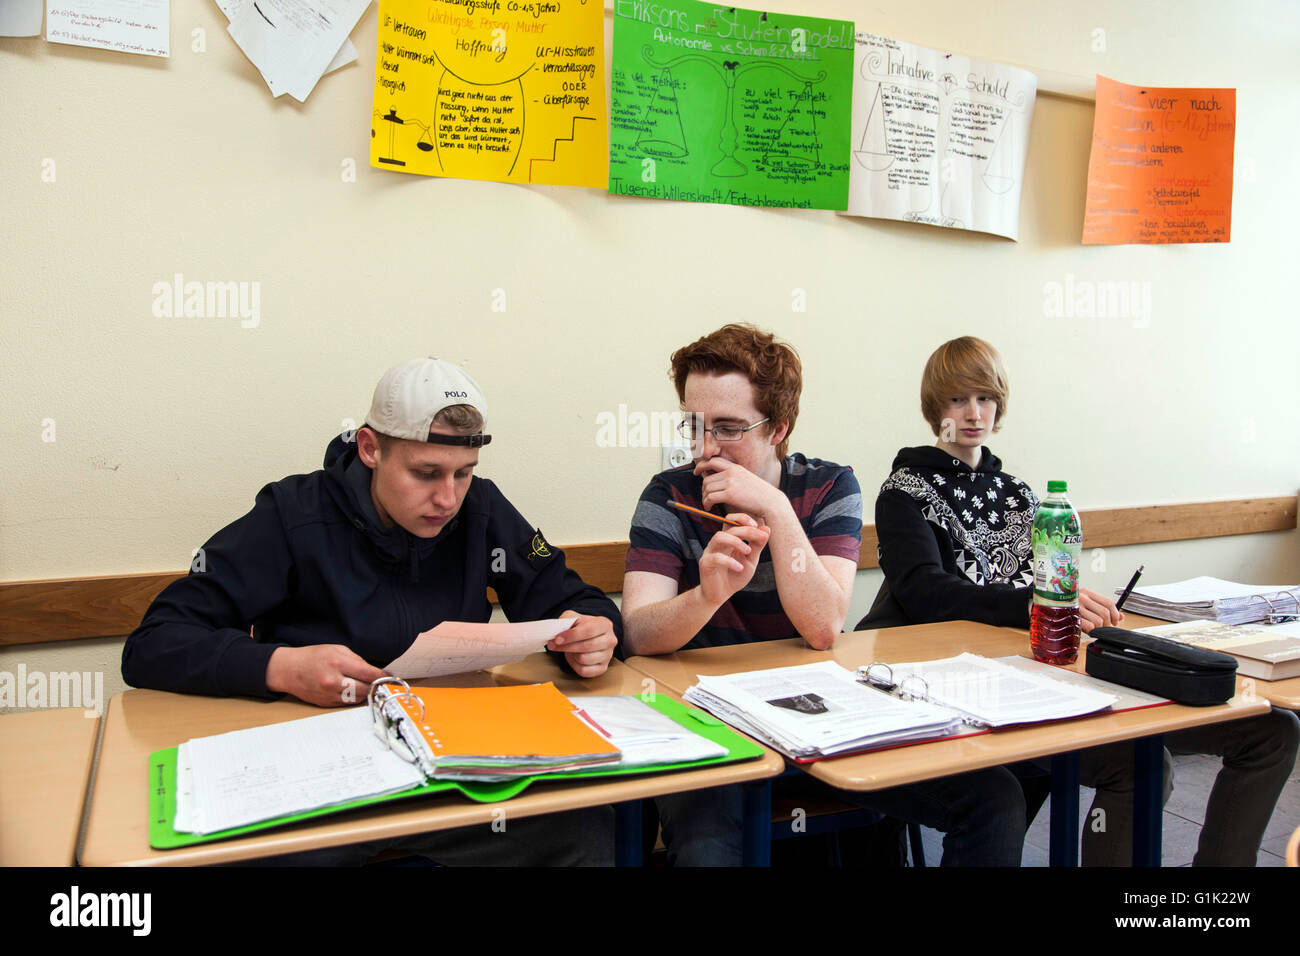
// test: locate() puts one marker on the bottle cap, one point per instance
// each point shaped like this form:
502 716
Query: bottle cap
1056 486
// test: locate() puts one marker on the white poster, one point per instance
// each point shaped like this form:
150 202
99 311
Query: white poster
938 138
127 26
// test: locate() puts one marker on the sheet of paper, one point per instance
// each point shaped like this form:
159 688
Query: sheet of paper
455 647
1000 695
291 767
346 54
938 138
1129 698
184 821
1160 170
720 104
21 18
506 91
1286 630
293 41
127 26
644 735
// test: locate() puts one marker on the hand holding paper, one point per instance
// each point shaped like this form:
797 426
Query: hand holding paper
588 645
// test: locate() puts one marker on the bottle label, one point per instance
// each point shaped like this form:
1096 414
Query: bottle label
1057 543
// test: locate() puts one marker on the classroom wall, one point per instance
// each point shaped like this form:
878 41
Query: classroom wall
165 428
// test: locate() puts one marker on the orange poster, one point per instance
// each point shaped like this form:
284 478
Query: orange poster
1161 165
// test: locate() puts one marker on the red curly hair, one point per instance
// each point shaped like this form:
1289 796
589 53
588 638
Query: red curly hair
772 367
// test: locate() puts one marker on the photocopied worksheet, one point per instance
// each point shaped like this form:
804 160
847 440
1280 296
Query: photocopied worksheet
817 710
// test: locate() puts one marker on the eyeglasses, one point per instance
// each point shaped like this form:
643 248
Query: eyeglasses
692 428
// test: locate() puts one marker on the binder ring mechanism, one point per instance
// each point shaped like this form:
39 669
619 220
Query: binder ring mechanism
386 713
1276 614
881 676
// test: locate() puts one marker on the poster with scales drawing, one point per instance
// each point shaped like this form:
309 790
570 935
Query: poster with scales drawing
726 105
504 90
938 138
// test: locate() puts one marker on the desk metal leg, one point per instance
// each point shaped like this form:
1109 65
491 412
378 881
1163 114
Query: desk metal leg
627 834
1064 827
758 823
1148 800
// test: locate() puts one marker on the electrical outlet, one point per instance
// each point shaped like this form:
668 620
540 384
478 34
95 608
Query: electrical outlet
673 456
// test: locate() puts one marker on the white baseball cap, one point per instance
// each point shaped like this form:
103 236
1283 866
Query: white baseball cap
410 395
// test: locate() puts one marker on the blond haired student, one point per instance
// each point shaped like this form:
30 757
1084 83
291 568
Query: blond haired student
954 539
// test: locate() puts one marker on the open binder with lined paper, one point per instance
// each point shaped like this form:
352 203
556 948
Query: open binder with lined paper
487 743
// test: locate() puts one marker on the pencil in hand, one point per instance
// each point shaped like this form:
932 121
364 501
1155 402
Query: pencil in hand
706 514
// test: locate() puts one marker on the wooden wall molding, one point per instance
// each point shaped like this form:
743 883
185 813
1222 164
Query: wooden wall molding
68 609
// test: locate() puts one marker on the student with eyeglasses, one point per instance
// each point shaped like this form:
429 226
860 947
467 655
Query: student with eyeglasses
785 571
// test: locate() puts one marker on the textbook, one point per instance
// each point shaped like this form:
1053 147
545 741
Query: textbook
1213 599
813 711
236 783
1268 653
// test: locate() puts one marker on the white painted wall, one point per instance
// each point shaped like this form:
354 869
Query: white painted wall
166 428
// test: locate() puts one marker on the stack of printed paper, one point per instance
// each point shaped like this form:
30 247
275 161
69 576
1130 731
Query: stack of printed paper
824 710
1213 599
818 710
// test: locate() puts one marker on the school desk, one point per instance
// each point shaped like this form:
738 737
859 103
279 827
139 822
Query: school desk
1059 739
45 759
142 721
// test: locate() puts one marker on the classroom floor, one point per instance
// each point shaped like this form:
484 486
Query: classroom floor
1184 813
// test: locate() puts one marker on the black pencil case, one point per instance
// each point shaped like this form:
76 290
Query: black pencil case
1157 665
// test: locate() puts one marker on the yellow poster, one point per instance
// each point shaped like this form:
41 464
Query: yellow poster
508 90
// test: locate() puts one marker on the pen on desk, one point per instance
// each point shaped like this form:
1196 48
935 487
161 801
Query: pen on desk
1119 605
697 511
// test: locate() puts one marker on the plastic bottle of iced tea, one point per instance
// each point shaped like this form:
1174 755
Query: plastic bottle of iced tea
1057 542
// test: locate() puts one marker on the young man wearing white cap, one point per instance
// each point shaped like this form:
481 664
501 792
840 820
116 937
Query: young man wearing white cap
336 572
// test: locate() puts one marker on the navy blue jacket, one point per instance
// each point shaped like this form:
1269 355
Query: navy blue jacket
312 564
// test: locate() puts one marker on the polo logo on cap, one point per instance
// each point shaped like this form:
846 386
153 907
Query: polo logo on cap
455 395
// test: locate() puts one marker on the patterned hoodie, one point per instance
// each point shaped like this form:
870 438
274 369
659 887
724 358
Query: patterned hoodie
954 542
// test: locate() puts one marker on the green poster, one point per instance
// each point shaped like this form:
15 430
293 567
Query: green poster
721 104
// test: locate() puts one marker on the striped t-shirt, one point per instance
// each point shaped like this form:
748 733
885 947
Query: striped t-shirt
666 541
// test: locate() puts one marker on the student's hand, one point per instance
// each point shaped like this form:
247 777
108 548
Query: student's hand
587 645
728 563
736 486
327 675
1097 610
